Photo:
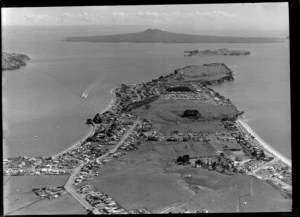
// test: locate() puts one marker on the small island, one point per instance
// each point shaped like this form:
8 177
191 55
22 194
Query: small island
222 51
11 61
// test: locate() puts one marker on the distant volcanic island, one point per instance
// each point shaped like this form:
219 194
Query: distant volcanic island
223 51
11 61
159 36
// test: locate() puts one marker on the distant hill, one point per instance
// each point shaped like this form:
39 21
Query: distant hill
159 36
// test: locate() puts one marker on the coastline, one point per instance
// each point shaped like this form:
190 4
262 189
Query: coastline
76 143
264 144
93 128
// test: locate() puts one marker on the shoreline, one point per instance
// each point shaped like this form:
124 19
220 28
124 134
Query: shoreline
78 143
264 144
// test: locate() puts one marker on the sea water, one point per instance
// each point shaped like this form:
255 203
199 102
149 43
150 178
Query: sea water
44 111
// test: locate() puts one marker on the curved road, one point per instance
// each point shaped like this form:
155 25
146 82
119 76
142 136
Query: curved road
69 187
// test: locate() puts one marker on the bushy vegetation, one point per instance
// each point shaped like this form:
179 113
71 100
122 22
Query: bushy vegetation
179 89
191 113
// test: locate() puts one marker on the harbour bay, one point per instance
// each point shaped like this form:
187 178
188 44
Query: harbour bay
49 89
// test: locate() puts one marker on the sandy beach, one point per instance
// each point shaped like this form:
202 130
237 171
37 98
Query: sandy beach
264 144
77 143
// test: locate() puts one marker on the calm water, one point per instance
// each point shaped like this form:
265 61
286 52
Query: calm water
44 112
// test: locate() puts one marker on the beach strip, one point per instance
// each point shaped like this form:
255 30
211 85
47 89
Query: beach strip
78 143
264 144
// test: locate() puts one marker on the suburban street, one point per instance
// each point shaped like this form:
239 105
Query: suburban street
263 166
254 172
69 184
282 183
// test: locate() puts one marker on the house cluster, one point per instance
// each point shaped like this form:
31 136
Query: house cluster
277 171
246 141
251 165
176 136
222 164
49 192
190 136
38 165
131 142
87 172
101 201
88 151
223 137
129 94
145 126
139 211
64 162
152 136
109 134
106 117
198 93
19 165
192 96
91 169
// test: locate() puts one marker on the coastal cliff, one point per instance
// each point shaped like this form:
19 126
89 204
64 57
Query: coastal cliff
222 51
11 61
207 74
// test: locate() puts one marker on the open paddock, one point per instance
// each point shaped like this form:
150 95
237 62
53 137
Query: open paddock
18 189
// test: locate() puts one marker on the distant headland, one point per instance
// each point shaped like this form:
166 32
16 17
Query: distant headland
223 51
159 36
11 61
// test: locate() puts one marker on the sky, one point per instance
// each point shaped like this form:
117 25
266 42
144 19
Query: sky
256 19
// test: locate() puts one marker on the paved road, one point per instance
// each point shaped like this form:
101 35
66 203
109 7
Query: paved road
273 179
263 166
69 187
282 183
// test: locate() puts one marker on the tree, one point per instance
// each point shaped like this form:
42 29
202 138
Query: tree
89 121
90 212
183 159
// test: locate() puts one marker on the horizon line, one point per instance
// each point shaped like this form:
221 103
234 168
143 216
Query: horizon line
156 28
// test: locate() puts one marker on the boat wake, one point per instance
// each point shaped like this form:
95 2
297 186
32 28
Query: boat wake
89 89
84 95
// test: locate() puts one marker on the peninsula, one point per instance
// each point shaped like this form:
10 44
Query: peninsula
159 36
223 51
11 61
169 145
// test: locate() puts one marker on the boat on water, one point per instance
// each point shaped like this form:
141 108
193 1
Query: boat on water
84 95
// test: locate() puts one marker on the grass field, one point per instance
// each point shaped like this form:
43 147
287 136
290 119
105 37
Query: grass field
18 189
138 180
64 204
148 177
166 114
207 73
